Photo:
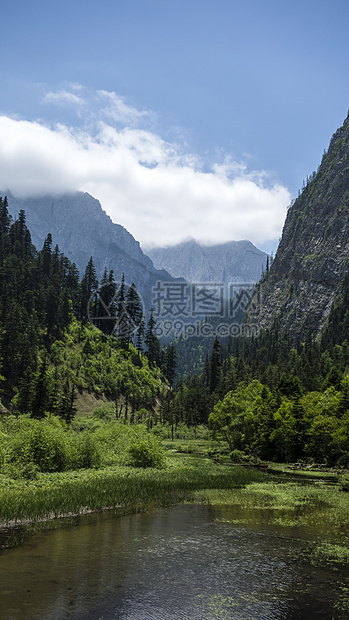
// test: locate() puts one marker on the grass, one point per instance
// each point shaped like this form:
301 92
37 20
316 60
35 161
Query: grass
57 494
333 554
304 471
285 503
321 512
201 446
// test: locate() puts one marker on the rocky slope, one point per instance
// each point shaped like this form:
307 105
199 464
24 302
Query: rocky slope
312 257
82 229
236 261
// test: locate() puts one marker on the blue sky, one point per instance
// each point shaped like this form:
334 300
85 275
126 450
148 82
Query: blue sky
186 119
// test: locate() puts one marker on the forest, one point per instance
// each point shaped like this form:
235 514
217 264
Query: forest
261 398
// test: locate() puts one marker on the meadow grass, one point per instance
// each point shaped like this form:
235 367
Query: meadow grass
56 494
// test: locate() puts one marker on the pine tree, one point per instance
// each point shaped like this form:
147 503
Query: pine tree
101 302
106 304
240 370
25 392
215 365
88 288
140 337
134 309
45 256
5 217
171 363
152 341
122 328
41 392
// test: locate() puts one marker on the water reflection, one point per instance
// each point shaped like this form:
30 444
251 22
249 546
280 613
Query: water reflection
168 564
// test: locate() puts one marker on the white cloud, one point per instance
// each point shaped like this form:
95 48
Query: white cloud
63 98
118 110
97 105
144 183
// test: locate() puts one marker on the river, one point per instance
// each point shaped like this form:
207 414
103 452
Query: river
179 563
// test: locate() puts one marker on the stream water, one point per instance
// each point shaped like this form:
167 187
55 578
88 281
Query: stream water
176 563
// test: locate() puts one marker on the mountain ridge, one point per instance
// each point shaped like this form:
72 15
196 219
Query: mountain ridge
81 228
234 261
312 257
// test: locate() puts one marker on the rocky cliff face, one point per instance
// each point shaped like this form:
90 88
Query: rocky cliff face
236 261
82 229
312 257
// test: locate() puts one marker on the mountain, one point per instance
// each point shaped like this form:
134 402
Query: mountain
239 262
82 229
312 257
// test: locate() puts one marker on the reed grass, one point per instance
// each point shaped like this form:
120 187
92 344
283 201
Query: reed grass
58 494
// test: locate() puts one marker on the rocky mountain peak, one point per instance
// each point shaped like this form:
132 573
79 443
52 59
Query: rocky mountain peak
82 229
234 261
313 252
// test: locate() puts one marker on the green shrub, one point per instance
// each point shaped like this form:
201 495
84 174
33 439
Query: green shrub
238 456
50 445
104 412
41 444
4 441
146 452
88 451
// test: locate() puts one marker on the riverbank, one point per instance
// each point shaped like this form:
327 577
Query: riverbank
54 495
321 506
317 510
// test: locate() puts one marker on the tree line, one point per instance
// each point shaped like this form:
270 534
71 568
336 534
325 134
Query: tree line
49 344
267 397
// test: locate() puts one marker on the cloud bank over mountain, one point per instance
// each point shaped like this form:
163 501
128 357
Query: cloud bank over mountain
153 187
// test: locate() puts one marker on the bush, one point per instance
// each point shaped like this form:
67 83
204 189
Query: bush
88 451
4 440
41 444
238 456
29 471
146 452
104 412
50 445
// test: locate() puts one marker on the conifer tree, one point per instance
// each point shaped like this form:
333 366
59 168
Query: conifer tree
122 328
41 392
152 341
88 288
215 365
46 255
5 217
140 336
134 309
171 363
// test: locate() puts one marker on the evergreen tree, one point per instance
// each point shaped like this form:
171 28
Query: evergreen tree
140 337
215 365
5 217
134 310
122 328
171 363
88 288
41 392
106 306
45 256
240 370
152 341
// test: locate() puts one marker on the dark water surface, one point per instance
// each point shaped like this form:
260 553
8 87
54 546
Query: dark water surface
167 564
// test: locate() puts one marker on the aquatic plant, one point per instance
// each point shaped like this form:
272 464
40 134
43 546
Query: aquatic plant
55 494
